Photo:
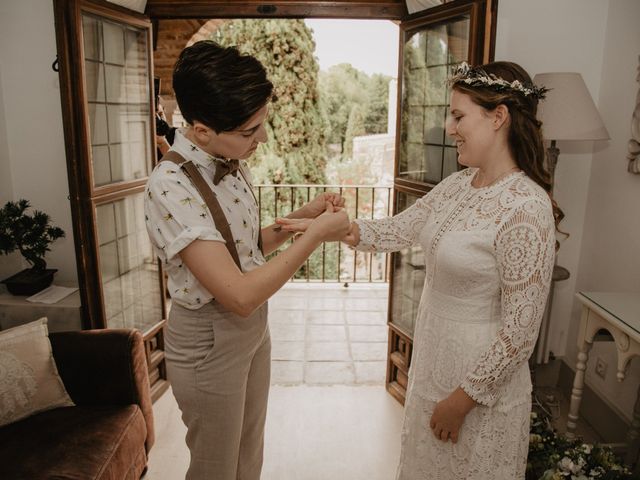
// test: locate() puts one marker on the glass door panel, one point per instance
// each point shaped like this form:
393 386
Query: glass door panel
117 85
431 44
429 53
408 277
130 282
116 59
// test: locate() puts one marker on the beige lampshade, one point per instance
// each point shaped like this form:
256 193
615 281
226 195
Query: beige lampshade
568 111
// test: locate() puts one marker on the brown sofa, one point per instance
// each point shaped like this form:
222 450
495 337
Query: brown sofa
109 432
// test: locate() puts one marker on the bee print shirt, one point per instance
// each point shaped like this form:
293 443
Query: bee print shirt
176 215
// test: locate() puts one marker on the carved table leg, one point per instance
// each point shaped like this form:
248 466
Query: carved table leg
633 435
578 386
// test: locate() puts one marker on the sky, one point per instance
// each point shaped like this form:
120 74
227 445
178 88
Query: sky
369 45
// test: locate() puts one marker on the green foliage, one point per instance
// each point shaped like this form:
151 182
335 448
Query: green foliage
306 113
355 128
295 151
30 234
342 88
377 107
554 457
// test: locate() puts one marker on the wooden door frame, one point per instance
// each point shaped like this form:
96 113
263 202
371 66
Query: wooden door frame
483 14
83 196
67 15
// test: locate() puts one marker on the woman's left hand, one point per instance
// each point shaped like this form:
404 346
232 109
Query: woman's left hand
317 206
449 415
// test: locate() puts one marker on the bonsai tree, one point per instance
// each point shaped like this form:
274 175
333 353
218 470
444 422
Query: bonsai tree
30 234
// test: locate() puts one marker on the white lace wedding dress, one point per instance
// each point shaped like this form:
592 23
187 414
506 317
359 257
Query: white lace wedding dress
489 255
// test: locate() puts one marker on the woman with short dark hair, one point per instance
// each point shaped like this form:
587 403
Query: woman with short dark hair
203 221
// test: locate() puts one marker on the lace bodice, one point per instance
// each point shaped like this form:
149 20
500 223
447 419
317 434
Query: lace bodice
489 255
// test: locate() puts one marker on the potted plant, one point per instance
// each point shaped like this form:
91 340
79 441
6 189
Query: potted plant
31 235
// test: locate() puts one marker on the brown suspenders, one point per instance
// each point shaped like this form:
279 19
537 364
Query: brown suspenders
219 218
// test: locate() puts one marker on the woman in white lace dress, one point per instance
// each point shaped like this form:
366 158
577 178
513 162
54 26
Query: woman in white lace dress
488 233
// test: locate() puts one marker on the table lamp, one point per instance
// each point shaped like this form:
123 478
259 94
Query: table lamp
568 113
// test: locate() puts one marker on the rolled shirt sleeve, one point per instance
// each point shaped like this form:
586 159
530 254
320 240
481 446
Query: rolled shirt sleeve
175 213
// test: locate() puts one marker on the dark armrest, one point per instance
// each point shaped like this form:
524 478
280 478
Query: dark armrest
105 367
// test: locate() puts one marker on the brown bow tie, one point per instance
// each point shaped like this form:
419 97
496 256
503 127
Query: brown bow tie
225 167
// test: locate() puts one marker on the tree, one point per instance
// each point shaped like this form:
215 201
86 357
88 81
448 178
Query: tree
376 112
342 88
355 128
295 151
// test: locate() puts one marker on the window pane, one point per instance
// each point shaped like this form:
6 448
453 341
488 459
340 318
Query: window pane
117 78
437 46
429 54
113 43
450 164
98 124
95 81
458 41
434 118
101 165
116 84
92 35
131 288
432 172
117 115
436 85
408 281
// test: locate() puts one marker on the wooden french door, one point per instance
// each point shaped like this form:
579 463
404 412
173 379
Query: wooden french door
106 82
432 42
106 89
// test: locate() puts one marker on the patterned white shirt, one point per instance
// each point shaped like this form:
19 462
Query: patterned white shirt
176 215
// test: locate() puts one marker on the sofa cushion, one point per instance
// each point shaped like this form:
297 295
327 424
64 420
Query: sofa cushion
75 443
29 380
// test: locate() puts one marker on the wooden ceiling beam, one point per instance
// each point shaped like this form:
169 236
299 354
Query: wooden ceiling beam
380 9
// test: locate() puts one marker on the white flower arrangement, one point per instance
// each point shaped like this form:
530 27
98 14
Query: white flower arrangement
476 77
554 457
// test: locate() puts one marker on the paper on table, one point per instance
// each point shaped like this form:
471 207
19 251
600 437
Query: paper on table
52 294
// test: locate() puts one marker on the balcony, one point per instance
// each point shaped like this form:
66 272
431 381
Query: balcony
332 262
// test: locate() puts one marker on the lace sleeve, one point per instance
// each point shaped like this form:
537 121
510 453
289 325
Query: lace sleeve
525 253
394 233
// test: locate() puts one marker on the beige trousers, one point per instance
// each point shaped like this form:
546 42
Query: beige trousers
218 364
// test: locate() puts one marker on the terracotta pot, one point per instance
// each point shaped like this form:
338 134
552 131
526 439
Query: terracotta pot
29 281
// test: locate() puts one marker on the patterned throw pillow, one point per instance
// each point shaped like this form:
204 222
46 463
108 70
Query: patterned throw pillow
29 380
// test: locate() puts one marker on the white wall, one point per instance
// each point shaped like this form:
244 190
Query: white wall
600 40
9 264
610 256
32 155
550 37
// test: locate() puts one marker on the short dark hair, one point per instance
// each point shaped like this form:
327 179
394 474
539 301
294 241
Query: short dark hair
219 86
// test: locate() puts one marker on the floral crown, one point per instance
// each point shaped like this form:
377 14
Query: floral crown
476 77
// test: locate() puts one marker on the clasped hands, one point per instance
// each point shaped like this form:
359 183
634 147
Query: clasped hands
324 217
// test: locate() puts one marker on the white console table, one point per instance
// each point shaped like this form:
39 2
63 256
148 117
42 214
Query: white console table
62 316
618 314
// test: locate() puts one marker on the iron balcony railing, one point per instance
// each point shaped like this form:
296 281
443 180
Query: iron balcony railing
333 261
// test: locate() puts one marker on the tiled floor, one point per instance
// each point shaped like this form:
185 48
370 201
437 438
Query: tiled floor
327 334
329 415
329 347
341 432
